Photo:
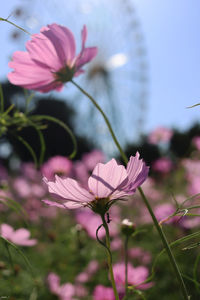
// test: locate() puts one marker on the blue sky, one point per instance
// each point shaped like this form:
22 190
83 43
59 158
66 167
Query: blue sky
171 29
172 38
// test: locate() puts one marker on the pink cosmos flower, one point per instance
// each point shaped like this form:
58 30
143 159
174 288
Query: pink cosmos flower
64 292
56 165
103 293
92 158
136 276
18 237
50 60
160 134
29 171
109 182
163 165
91 221
163 212
190 222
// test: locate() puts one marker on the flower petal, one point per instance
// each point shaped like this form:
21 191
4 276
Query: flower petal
42 51
69 189
26 72
54 282
106 178
137 173
84 36
86 56
63 41
21 234
68 204
6 231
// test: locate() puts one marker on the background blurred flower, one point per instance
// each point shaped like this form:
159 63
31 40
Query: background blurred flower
163 165
103 293
64 292
19 237
160 134
59 165
136 276
163 211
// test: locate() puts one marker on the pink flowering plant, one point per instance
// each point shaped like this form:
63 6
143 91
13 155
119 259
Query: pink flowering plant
50 59
67 205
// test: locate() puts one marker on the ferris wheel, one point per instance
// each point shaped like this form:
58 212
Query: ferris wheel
117 78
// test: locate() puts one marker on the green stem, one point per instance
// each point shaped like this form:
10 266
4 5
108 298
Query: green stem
105 119
9 256
159 229
6 20
63 125
166 246
126 263
105 225
195 272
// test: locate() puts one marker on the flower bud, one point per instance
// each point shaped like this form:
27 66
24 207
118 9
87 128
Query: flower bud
127 227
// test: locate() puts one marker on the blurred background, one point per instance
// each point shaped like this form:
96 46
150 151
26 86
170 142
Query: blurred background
146 72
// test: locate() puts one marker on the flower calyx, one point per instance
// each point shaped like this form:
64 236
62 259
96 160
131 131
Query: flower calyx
65 74
100 205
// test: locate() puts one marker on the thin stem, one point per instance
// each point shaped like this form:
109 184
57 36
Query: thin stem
105 225
63 125
6 20
9 256
105 119
126 263
195 272
166 246
159 229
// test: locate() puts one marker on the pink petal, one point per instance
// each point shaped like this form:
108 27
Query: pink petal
137 172
37 77
29 243
86 56
21 234
42 51
63 42
6 231
27 72
83 36
67 291
43 85
69 189
68 204
106 178
53 203
54 283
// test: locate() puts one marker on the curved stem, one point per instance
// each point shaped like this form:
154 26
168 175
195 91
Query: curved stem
63 125
105 225
146 202
105 119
